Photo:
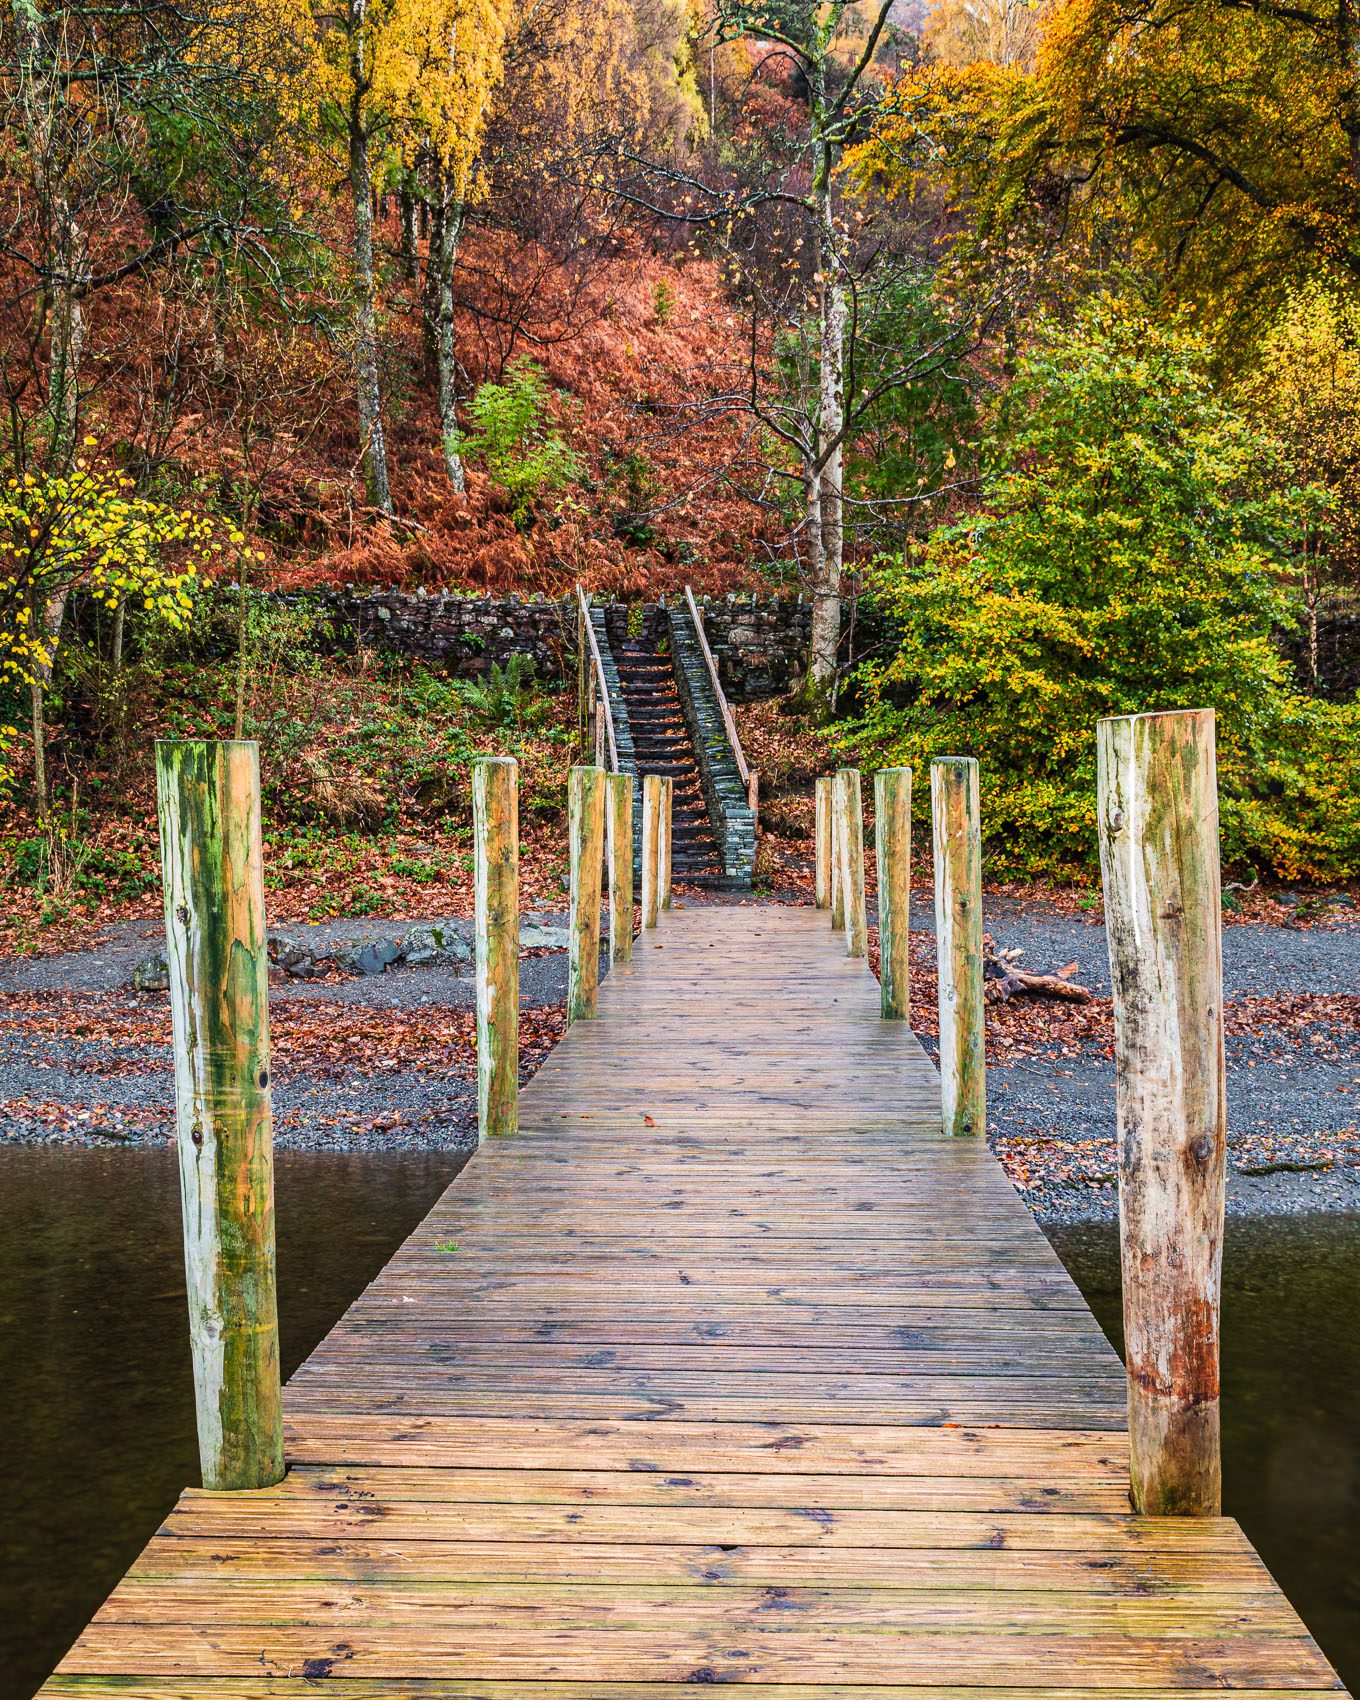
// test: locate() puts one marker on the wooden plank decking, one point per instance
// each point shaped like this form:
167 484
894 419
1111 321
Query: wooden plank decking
728 1368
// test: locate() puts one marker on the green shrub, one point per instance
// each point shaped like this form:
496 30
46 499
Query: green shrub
515 436
1134 553
507 694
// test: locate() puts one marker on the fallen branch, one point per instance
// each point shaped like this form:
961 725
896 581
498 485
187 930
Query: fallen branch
1003 980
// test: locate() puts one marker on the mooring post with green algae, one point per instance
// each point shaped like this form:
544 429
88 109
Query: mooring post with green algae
217 951
619 832
495 831
956 817
1157 812
667 837
585 827
848 812
892 849
651 848
822 842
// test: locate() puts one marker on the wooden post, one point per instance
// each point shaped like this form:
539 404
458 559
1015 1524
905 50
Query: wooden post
1158 819
585 816
495 827
216 948
849 816
619 830
892 848
958 943
822 841
667 833
753 798
651 848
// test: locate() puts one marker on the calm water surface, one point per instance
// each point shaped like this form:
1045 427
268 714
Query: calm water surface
98 1398
1291 1402
98 1402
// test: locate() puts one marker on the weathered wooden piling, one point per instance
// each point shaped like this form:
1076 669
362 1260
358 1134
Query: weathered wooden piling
217 951
585 826
822 840
619 833
958 943
848 811
892 848
1158 824
667 837
495 829
651 848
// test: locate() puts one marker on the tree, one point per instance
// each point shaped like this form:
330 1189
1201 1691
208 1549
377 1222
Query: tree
1303 390
818 268
1216 141
1131 555
84 529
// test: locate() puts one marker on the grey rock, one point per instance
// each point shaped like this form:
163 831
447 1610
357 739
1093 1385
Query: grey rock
294 958
375 956
538 935
440 941
151 975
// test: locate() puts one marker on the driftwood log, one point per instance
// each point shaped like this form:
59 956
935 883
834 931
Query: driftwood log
1003 979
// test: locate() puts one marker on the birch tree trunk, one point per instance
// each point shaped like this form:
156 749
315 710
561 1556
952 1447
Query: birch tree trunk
446 344
365 313
826 606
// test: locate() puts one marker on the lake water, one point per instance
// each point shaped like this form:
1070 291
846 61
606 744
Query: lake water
94 1354
99 1424
1291 1402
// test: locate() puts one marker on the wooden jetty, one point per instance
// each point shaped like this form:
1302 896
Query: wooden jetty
727 1368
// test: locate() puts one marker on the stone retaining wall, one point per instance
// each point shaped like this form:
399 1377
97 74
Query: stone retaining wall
760 644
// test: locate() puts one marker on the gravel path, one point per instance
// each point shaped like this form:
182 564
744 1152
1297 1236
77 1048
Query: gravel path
1293 1090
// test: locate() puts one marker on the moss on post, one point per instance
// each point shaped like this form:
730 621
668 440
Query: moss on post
849 814
585 821
667 835
651 849
1158 825
216 947
495 825
958 943
822 841
892 847
619 831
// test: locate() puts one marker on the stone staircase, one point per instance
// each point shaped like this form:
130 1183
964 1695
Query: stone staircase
661 744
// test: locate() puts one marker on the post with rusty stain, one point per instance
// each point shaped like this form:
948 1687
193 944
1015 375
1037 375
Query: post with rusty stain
585 825
619 832
495 830
956 814
822 841
892 849
848 815
667 835
1158 823
216 948
651 848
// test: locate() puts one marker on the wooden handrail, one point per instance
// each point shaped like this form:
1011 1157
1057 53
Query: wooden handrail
601 684
728 720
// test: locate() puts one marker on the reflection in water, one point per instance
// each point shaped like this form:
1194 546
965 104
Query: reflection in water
94 1354
1291 1402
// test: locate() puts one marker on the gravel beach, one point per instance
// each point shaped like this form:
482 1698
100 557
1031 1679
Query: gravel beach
384 1060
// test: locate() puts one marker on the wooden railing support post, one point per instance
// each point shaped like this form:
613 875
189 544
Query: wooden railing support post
958 943
1159 859
585 826
667 837
892 848
822 841
495 830
619 832
651 848
849 812
217 951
